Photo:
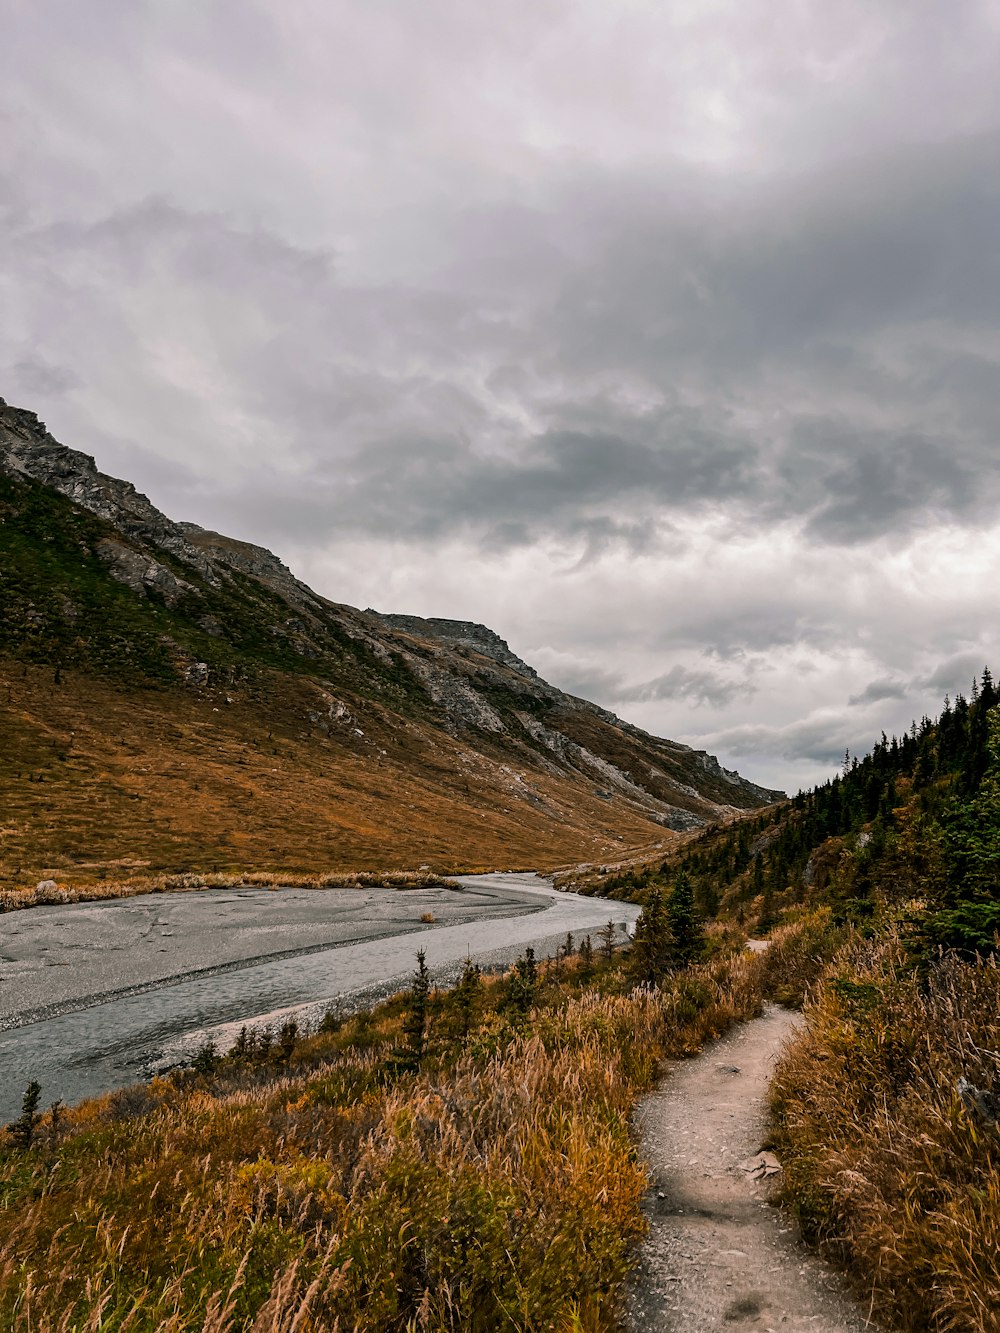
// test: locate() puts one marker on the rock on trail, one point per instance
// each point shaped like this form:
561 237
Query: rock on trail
719 1256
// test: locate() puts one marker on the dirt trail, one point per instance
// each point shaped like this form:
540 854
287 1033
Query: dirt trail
718 1255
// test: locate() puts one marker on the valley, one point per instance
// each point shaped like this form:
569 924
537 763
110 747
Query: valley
233 810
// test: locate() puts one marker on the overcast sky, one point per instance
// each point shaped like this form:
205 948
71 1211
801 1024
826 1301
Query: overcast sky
662 337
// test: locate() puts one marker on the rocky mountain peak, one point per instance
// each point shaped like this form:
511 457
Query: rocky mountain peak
466 633
217 607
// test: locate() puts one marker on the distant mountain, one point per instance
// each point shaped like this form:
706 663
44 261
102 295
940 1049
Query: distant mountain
189 701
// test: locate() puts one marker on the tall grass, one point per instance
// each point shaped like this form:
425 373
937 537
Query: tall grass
889 1170
497 1187
798 953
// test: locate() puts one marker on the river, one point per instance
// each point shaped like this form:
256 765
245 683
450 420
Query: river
96 996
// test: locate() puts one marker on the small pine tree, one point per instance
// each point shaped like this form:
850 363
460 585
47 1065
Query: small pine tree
331 1022
522 985
22 1130
528 967
206 1058
708 897
243 1046
586 955
466 995
765 922
415 1020
287 1038
652 944
689 938
757 878
609 935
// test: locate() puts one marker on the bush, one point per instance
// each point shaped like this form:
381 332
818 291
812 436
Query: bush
797 954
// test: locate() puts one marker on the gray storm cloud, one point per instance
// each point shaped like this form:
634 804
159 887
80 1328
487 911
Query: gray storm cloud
665 340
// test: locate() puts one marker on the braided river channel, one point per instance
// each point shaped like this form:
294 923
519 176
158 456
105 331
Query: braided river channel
97 996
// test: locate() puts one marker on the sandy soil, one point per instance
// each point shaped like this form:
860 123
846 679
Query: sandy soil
719 1256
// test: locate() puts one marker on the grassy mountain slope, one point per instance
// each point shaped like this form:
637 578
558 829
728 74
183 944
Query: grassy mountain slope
174 698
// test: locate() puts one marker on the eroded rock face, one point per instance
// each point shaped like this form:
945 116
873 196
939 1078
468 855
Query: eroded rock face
461 632
257 561
141 573
26 447
458 699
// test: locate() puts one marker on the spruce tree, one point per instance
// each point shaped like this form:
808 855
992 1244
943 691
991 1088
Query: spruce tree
586 955
287 1037
522 985
652 944
22 1130
689 938
206 1058
608 934
415 1020
466 995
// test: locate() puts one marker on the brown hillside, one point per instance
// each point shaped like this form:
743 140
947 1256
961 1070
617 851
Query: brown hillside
174 697
103 780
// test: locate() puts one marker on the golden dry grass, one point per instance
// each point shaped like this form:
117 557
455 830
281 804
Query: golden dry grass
13 900
497 1188
100 781
889 1170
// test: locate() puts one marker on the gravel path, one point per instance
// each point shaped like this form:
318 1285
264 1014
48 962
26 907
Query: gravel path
719 1256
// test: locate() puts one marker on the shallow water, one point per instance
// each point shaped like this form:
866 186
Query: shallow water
97 996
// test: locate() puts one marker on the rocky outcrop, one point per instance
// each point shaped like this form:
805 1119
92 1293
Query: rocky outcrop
256 561
141 573
26 448
460 633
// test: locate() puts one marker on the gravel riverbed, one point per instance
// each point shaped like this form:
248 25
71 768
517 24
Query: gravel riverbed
94 996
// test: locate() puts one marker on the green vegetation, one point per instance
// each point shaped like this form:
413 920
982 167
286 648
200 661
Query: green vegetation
918 819
890 1168
61 606
415 1018
58 603
22 1130
206 716
464 1159
887 1105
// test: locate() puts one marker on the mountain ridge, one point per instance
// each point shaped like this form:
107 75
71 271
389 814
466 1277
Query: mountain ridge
205 613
